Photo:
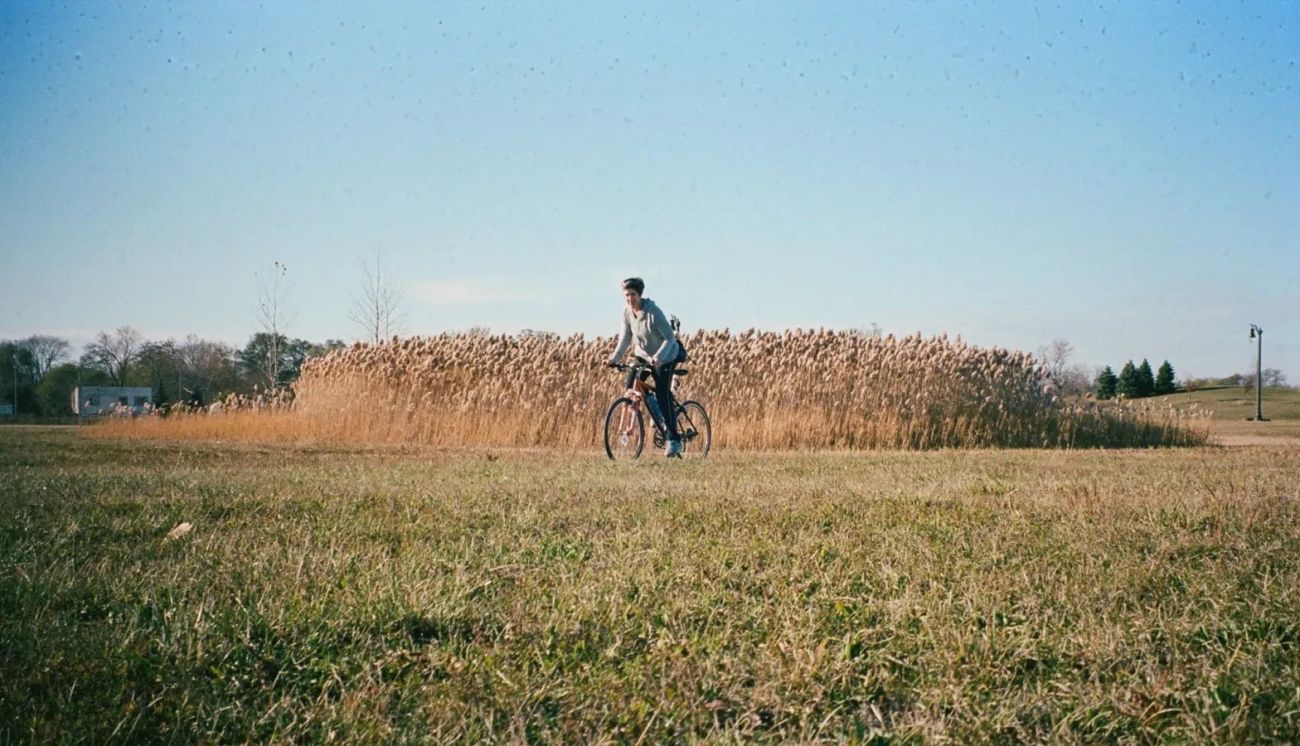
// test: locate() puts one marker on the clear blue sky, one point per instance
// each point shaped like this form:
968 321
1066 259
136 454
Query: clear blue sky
1124 176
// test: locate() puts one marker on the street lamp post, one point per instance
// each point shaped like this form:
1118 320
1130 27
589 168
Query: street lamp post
1257 334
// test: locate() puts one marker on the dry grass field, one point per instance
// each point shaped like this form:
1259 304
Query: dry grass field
405 593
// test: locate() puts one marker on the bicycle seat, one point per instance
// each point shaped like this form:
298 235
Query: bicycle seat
680 372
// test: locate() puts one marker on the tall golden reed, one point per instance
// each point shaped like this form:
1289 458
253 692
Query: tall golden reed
764 390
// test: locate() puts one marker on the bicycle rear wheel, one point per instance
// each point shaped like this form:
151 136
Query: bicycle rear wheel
624 430
695 430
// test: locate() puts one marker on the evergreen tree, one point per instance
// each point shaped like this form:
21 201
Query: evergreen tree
1104 386
1127 385
54 392
292 354
1165 379
160 395
1146 380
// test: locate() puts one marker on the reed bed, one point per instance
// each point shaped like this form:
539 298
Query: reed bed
803 389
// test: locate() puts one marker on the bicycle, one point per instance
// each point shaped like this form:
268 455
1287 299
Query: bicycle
625 424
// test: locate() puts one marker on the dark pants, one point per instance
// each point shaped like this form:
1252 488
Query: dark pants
663 376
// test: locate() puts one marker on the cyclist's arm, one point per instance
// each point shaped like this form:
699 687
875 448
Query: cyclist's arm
623 341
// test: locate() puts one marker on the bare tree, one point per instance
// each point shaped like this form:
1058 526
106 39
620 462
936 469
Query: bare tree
1057 357
871 330
1273 378
1076 380
47 351
114 354
1069 379
377 310
272 317
538 334
208 368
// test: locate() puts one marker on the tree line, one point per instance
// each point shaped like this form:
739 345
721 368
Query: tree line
1134 381
41 371
38 374
1273 378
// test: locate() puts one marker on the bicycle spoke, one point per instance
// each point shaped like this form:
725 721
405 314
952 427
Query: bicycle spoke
624 431
693 427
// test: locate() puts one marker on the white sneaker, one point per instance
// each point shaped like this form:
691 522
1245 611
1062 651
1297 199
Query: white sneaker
674 448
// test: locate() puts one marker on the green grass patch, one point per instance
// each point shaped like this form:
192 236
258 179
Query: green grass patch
1237 402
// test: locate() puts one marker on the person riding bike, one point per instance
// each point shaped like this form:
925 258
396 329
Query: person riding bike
655 343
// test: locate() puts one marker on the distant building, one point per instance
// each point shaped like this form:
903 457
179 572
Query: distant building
92 400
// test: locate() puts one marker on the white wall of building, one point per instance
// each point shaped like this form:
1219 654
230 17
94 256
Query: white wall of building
93 400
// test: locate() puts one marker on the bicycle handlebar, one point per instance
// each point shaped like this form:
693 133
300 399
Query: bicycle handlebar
631 366
642 365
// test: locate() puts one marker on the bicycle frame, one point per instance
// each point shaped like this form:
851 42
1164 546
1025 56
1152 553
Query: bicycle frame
637 393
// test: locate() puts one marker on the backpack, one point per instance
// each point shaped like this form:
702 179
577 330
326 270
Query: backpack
676 324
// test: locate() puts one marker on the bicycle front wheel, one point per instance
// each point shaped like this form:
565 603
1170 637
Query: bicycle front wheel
624 430
694 429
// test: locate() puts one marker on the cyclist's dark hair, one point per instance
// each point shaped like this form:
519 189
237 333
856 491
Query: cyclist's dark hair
634 283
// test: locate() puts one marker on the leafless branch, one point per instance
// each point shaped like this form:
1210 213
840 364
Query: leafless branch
377 310
272 318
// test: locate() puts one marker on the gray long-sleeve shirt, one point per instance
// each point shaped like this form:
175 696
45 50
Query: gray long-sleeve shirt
651 329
